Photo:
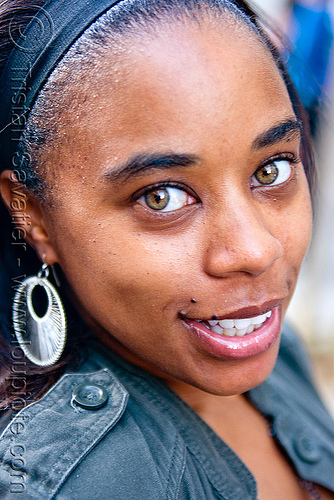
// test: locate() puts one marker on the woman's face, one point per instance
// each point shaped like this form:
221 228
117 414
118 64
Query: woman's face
179 198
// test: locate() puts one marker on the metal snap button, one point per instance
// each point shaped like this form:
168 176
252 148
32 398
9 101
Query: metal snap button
307 450
90 396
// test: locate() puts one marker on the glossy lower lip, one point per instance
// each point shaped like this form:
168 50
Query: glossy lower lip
239 347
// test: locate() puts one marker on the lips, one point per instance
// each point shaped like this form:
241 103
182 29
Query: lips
221 337
237 327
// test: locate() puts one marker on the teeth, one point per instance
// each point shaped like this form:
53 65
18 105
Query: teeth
241 333
241 323
217 329
237 327
230 332
259 319
227 323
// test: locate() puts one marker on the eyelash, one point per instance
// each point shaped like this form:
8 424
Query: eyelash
290 158
164 186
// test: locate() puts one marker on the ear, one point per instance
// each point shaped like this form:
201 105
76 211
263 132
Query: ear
25 209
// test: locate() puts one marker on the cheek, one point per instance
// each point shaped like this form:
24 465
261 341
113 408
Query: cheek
295 227
110 264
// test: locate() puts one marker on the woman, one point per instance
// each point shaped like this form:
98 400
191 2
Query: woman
163 171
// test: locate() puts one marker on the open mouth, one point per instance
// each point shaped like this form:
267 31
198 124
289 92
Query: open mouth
236 327
237 338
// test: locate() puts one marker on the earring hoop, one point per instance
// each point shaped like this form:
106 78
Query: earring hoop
42 338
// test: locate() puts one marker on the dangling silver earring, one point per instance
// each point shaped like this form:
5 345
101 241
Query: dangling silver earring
42 338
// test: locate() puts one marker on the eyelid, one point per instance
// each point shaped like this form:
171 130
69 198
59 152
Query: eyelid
291 158
160 185
175 203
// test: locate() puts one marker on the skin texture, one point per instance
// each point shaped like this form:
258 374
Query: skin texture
131 270
134 272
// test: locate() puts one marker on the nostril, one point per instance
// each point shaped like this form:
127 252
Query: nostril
252 255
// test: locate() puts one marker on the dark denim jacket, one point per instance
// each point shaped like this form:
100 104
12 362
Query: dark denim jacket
145 443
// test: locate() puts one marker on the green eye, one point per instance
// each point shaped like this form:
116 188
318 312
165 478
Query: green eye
157 199
166 199
273 174
267 174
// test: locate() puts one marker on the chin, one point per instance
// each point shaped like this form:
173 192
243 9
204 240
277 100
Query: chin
236 377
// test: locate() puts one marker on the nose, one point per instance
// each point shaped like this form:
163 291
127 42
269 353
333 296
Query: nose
241 241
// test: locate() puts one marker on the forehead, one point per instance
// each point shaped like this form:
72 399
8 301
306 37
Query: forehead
163 90
224 61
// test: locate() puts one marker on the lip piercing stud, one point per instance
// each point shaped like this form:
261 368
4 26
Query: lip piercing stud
193 301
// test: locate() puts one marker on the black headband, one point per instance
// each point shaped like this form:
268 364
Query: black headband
48 36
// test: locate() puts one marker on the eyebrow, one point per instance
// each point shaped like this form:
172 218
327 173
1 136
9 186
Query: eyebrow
286 130
142 164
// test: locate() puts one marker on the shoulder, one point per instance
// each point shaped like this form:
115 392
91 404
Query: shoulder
83 431
143 442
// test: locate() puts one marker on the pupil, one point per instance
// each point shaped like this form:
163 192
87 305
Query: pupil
267 174
157 199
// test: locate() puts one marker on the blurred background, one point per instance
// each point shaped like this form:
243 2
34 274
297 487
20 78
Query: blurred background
306 28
